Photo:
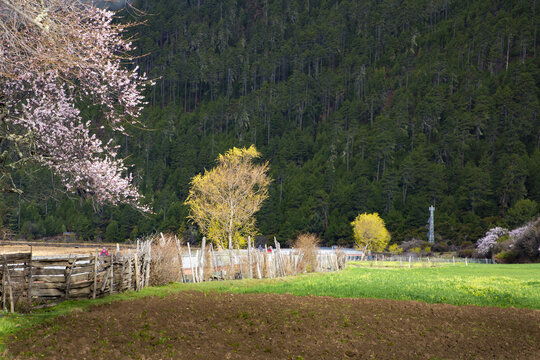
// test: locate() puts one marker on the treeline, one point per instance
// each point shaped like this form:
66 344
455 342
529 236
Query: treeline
359 106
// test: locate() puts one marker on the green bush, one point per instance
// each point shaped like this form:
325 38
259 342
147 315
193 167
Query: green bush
507 257
465 253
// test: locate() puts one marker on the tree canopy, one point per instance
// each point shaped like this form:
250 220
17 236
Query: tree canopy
359 107
369 232
224 200
57 58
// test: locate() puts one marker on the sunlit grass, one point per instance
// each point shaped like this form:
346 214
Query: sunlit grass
483 285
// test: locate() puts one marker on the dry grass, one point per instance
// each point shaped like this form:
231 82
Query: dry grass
38 249
307 245
165 261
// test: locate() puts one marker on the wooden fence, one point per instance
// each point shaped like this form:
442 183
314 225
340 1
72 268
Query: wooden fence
206 263
27 280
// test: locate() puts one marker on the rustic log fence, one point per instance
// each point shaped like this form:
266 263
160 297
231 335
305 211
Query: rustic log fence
28 280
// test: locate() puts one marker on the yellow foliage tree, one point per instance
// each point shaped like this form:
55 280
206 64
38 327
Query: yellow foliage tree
370 233
224 200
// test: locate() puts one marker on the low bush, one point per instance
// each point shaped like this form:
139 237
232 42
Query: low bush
528 242
466 253
507 257
307 244
439 247
165 261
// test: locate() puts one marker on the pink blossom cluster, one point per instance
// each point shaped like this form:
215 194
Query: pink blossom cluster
486 243
519 232
74 55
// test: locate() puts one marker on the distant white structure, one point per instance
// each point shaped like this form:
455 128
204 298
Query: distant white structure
431 233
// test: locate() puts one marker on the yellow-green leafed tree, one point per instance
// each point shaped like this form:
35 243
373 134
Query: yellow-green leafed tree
224 200
370 233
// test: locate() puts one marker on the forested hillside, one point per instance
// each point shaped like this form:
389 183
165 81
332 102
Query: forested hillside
359 106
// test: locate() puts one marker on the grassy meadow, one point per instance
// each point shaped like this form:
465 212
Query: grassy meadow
482 285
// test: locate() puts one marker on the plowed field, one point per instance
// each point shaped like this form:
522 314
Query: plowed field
198 325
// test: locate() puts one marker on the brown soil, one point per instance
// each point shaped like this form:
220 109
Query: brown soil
195 325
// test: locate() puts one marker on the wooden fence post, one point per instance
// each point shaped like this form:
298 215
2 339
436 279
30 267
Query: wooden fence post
258 264
4 289
250 272
112 273
6 271
130 274
191 264
201 262
95 274
180 260
68 275
239 261
30 273
148 258
136 260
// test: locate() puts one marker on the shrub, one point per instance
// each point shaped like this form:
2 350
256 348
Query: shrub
507 257
395 249
440 247
528 243
165 263
465 253
414 243
485 244
416 250
307 244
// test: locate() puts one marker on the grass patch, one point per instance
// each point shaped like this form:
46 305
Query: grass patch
483 285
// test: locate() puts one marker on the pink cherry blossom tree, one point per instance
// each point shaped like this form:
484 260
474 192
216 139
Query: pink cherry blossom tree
57 56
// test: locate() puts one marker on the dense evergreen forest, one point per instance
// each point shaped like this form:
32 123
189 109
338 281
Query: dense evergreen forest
359 106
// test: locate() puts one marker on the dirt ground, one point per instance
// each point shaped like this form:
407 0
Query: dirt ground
195 325
40 249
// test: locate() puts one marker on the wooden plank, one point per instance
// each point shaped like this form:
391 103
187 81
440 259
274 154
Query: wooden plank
51 278
47 271
62 286
85 269
60 293
39 263
64 259
22 257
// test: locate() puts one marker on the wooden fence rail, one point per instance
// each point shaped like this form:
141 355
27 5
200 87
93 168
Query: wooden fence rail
29 280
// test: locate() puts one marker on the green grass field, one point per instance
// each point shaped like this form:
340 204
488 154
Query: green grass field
483 285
